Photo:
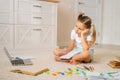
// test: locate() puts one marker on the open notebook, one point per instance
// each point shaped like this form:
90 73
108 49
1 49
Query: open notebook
71 53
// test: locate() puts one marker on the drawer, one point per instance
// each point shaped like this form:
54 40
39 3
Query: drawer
32 6
43 7
44 19
87 2
35 12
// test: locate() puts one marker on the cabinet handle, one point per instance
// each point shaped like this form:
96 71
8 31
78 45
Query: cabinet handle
38 17
37 29
37 6
81 3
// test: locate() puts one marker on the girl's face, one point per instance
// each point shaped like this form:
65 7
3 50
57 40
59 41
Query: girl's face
79 27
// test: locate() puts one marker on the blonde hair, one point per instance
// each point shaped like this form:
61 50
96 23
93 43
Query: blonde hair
85 20
88 22
93 34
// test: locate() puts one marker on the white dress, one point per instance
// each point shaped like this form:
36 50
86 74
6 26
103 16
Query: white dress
78 46
74 36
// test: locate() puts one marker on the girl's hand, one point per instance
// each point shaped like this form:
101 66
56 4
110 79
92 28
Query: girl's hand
62 53
85 32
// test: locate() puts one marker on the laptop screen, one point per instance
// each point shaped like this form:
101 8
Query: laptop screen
7 53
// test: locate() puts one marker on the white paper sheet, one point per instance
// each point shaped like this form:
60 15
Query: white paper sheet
71 54
102 76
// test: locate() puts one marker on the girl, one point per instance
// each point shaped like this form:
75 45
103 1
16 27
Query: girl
83 37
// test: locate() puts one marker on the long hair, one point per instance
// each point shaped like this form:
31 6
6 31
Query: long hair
88 22
93 34
85 20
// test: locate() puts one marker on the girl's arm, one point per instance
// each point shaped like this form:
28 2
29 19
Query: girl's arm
86 44
70 46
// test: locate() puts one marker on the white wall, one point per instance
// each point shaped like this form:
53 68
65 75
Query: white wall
111 22
66 21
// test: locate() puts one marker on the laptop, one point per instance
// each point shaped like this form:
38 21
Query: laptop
16 60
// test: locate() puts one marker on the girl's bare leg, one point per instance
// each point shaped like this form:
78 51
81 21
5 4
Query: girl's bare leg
84 56
74 62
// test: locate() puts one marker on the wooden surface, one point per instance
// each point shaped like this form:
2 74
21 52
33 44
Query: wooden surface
114 64
30 73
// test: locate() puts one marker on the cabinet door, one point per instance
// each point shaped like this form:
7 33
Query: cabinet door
6 11
6 36
23 36
47 37
22 12
33 37
43 37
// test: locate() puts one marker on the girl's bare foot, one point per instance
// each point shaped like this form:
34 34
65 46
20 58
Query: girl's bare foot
74 62
57 58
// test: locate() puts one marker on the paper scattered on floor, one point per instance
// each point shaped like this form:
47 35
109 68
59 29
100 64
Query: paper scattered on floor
101 76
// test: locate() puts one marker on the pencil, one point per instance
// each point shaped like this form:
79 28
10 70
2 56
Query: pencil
86 68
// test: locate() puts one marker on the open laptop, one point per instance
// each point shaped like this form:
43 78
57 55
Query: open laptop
16 60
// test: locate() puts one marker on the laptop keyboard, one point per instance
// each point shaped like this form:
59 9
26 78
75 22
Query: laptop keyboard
17 62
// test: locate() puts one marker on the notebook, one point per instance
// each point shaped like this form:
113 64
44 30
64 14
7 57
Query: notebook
71 54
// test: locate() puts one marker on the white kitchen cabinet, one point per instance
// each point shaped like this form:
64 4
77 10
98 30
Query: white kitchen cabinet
34 37
6 35
35 12
6 11
33 24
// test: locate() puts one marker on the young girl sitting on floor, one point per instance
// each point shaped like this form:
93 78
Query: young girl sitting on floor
83 37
